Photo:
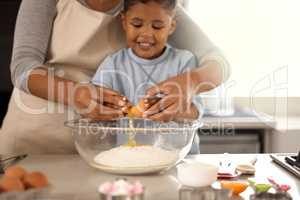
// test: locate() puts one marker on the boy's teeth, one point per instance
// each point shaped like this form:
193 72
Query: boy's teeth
145 44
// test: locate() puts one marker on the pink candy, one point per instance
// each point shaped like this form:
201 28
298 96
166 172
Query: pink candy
277 186
105 188
138 188
121 187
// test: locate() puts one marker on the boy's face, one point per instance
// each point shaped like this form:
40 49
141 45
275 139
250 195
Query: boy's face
147 28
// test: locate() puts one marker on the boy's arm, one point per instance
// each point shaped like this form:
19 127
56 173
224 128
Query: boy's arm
105 73
179 102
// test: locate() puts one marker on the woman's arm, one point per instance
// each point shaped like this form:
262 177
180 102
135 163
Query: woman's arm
32 35
192 113
31 39
89 100
213 68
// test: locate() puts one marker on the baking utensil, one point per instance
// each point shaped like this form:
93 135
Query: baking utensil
204 193
94 138
121 189
277 186
270 196
196 174
11 160
226 168
259 187
237 187
247 168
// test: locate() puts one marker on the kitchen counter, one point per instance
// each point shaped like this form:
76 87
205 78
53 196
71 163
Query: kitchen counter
72 178
287 132
242 118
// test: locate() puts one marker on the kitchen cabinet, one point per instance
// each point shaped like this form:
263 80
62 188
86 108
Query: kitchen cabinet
244 132
241 143
286 137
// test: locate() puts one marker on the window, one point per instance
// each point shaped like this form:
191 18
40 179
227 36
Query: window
260 38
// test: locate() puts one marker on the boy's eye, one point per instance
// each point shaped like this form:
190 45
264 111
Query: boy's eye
137 23
158 25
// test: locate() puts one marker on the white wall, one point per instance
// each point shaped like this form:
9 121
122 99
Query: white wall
261 40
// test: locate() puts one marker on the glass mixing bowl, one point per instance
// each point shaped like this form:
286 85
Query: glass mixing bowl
159 146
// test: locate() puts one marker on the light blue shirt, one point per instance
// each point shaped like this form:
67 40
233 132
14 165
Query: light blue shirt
131 75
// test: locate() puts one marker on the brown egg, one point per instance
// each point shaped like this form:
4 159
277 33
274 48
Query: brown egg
137 111
15 171
35 180
11 184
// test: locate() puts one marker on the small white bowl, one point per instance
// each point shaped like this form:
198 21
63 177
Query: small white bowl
197 174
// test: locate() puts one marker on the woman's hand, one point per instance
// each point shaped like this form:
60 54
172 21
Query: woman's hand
90 101
177 93
99 103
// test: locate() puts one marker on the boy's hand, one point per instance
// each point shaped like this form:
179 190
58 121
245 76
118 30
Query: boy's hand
99 103
177 98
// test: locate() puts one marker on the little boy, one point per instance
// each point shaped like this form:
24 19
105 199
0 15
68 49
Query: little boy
148 60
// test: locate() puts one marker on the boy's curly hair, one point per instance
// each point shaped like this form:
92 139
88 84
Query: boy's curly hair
168 4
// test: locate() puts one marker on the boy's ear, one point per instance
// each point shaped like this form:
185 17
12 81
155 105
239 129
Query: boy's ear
173 26
123 19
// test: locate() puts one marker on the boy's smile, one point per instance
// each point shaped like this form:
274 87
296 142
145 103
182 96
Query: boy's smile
147 27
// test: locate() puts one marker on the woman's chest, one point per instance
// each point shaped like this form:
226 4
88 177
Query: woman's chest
82 37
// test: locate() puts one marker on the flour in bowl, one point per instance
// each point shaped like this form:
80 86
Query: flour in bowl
138 156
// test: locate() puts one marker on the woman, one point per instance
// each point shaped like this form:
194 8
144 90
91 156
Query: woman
57 47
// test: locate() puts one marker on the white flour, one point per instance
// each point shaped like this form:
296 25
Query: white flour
139 156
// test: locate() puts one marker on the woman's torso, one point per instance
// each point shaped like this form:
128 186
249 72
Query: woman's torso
81 38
